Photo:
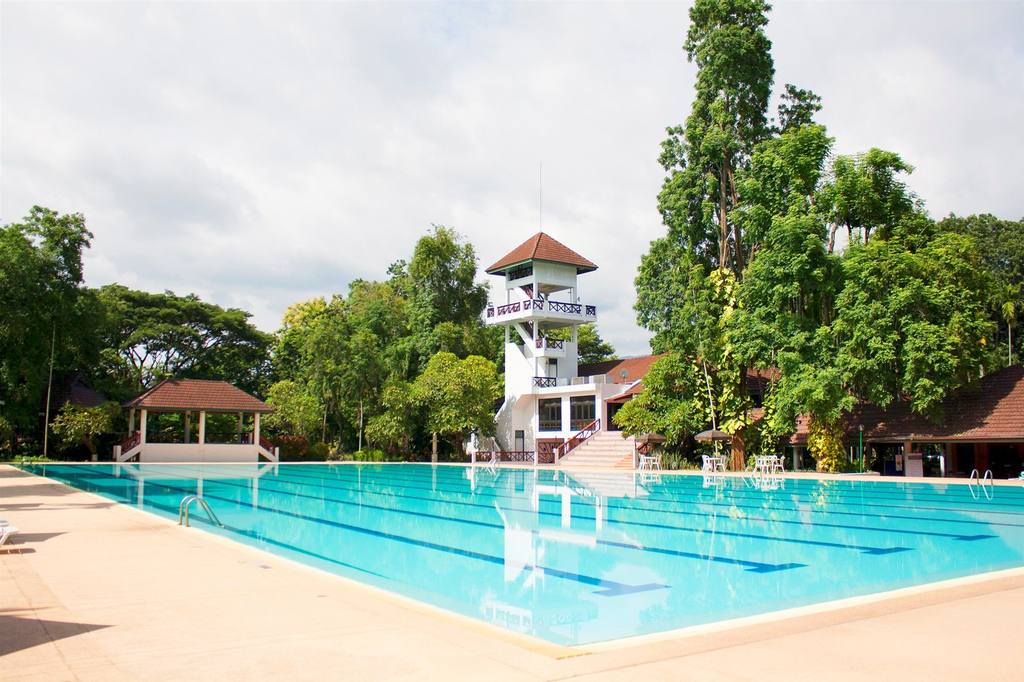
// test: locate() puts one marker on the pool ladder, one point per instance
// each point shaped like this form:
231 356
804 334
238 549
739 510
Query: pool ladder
187 501
989 491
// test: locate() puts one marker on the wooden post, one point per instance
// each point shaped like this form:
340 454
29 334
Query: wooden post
433 447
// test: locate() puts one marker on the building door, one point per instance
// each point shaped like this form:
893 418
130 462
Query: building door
612 409
964 458
1003 460
520 444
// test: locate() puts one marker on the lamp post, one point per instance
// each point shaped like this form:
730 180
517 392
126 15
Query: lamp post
860 428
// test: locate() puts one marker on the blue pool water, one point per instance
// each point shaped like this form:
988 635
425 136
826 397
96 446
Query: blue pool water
576 558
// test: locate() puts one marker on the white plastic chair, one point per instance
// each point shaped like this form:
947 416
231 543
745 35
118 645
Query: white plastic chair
7 531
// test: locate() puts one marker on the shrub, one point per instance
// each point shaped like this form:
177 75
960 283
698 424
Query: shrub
319 451
292 447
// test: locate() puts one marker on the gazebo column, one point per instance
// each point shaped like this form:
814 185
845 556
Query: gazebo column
142 426
188 426
202 427
256 429
131 421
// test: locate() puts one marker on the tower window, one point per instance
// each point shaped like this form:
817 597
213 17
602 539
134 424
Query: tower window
582 411
549 414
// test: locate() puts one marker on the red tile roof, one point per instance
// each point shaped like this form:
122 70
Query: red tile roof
197 395
635 368
991 411
542 247
628 394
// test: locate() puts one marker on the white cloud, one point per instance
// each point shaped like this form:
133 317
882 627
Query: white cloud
260 154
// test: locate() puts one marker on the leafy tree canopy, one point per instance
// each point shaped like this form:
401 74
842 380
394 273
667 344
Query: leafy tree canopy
148 337
44 305
458 396
750 274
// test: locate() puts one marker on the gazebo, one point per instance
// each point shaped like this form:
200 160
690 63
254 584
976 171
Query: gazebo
161 437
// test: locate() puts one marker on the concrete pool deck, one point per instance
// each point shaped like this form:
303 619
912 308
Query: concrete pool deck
95 590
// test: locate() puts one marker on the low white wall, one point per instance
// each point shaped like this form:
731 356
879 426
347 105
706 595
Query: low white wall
194 452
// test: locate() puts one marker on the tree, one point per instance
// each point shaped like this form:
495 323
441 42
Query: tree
80 425
1001 246
797 108
393 429
149 337
44 307
674 402
458 396
296 412
913 321
749 276
445 300
866 193
727 42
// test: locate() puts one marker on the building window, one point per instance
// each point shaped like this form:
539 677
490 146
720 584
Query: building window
520 441
549 414
520 272
582 411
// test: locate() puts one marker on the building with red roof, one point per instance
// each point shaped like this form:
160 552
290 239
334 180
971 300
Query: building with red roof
236 439
979 427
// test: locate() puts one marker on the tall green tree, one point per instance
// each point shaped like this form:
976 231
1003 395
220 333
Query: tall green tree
1001 246
149 337
445 300
458 396
750 274
45 307
727 42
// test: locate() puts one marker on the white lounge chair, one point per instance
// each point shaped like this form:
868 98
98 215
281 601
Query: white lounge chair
7 531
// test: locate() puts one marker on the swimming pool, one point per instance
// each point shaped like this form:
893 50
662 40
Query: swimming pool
577 558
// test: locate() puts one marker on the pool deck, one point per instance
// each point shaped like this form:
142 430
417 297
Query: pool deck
94 590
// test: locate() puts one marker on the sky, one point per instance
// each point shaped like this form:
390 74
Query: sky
261 154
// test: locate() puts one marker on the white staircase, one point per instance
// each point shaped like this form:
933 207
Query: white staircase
604 449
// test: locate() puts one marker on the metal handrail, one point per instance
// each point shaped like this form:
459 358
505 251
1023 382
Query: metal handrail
186 502
990 491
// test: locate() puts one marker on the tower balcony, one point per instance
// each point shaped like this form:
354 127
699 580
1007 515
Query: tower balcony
539 310
550 348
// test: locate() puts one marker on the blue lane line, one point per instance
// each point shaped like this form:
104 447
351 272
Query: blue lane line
696 500
691 492
753 536
682 512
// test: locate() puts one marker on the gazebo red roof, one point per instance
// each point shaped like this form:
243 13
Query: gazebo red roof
542 246
198 395
991 411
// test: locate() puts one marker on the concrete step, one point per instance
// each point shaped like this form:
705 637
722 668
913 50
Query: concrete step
603 449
